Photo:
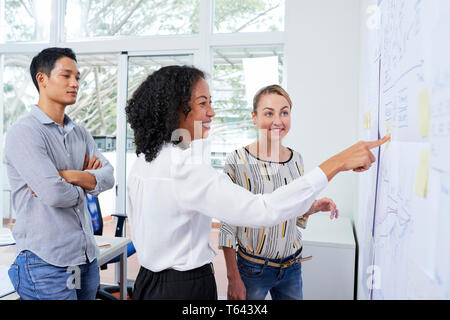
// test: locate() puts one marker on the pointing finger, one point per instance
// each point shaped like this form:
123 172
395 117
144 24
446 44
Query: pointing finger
374 144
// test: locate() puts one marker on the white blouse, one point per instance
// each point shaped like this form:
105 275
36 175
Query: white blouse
172 199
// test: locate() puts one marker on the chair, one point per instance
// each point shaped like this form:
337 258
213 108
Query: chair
93 206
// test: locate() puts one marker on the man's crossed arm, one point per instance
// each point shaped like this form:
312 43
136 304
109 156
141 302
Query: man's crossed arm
81 178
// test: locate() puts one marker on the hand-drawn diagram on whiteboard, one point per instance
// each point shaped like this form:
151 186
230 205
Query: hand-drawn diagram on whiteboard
410 215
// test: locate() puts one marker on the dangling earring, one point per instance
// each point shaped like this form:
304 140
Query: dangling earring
186 111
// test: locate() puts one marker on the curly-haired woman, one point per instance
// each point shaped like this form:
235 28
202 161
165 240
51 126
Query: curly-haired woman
173 192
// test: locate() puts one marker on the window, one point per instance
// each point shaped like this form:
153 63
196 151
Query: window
119 42
96 104
96 110
237 74
119 18
26 20
248 16
19 92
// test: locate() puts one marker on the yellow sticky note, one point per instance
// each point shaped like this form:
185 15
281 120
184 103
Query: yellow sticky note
421 184
368 242
388 131
368 119
424 112
388 127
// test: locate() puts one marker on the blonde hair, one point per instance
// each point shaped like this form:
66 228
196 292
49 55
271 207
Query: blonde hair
272 89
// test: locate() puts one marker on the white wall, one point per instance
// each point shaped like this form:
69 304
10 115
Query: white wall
322 67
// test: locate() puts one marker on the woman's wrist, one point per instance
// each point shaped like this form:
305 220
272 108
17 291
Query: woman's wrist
332 166
233 275
311 210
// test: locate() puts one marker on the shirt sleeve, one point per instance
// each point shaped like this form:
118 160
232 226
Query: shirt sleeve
105 175
27 154
227 232
198 188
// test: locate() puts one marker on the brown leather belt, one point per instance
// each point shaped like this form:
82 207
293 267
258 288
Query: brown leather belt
275 264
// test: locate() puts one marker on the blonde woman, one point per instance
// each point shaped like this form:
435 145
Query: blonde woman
267 259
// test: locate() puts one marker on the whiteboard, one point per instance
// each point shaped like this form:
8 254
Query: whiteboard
404 199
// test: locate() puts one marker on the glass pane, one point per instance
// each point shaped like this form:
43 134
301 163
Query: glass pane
26 20
112 18
19 93
96 110
18 88
248 15
237 74
96 104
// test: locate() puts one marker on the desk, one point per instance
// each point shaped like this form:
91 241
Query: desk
118 247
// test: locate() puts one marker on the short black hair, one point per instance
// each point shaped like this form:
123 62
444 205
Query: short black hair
45 61
154 109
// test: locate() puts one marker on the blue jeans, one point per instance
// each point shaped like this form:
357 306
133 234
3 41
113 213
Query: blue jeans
283 284
35 279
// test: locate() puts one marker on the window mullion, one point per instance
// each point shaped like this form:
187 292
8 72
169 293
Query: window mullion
203 58
121 145
57 23
2 22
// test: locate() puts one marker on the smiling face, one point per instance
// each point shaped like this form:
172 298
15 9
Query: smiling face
273 114
61 86
198 121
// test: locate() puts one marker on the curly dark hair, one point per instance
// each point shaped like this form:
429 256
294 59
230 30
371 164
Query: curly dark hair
153 110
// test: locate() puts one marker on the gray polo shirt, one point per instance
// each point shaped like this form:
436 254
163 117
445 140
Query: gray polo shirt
55 225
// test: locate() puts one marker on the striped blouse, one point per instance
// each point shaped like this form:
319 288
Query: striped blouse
260 176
